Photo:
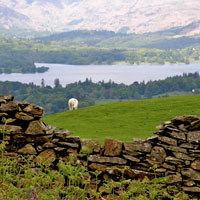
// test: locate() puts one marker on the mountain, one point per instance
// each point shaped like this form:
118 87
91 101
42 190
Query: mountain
11 18
127 16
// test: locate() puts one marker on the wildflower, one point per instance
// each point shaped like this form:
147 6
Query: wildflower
32 196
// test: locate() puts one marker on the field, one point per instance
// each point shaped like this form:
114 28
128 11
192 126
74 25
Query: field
124 120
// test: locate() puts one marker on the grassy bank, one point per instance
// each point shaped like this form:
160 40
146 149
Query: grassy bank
124 120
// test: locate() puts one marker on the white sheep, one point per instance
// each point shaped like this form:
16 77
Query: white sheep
193 90
73 104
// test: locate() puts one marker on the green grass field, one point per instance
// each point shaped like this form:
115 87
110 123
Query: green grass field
124 120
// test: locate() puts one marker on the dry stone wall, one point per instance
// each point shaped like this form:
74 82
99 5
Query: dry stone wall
173 151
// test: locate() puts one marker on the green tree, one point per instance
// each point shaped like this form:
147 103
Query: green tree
57 83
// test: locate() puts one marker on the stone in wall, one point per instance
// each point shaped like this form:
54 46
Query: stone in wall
91 144
104 159
112 147
46 157
28 149
138 147
196 164
34 110
158 154
23 116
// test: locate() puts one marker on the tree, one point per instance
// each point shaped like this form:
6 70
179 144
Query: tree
42 83
57 83
4 90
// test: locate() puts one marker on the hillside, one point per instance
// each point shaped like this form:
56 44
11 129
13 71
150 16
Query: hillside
130 16
124 120
108 39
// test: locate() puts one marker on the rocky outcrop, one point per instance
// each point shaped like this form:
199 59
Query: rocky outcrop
173 151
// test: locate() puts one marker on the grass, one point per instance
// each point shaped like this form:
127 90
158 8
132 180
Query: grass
105 101
124 120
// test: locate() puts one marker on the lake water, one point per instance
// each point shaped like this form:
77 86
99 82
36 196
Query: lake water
118 73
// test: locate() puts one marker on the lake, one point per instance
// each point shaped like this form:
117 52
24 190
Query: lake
118 73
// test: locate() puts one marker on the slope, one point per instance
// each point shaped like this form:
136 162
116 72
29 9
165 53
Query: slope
124 120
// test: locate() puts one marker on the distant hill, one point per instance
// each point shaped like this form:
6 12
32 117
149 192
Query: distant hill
124 16
109 39
81 34
124 120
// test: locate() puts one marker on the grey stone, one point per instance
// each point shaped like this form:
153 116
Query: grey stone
72 151
131 158
171 128
112 147
67 144
7 137
139 140
4 115
169 166
2 101
10 121
104 159
138 174
174 148
47 157
60 149
50 129
11 129
98 167
182 156
7 97
191 189
189 183
158 154
189 146
92 144
134 146
35 110
193 137
39 138
194 126
152 138
10 155
72 139
178 135
160 170
167 140
28 149
174 179
11 106
63 134
182 127
185 119
22 104
48 145
23 116
196 164
133 153
190 173
173 160
36 127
